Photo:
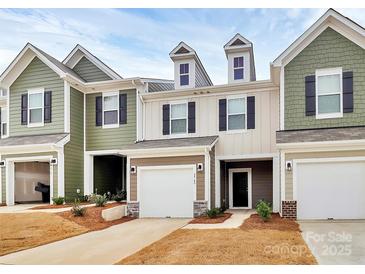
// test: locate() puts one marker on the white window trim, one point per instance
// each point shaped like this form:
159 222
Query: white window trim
233 131
108 94
243 67
5 122
182 74
30 92
326 72
186 118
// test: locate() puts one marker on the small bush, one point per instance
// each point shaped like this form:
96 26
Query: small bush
263 208
77 210
100 200
58 200
120 196
213 213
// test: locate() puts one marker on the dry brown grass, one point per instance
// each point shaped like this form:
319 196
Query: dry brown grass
26 230
280 242
92 219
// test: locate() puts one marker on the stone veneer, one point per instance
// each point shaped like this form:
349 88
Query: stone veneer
200 207
133 209
289 209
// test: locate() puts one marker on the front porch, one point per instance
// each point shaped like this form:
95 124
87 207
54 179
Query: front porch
244 182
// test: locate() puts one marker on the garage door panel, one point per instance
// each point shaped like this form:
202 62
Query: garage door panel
331 190
166 192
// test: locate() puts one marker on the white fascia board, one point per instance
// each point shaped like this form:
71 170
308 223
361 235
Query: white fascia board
165 152
27 149
327 145
234 38
328 19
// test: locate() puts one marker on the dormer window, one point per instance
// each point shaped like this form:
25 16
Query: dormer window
184 74
238 69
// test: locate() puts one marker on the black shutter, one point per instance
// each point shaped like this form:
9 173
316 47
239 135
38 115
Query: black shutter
24 109
222 114
348 92
166 119
48 106
122 109
310 95
99 111
191 117
251 112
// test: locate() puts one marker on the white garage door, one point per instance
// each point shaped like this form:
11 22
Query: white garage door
166 191
330 190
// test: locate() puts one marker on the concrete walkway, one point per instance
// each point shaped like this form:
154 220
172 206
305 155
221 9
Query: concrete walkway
235 221
106 246
335 242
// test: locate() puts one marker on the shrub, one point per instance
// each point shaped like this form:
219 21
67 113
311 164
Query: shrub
263 208
77 210
213 213
100 200
120 196
58 200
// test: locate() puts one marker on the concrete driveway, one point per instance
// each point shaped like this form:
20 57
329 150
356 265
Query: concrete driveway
106 246
335 242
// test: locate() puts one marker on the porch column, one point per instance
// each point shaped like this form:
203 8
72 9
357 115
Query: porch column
275 184
88 174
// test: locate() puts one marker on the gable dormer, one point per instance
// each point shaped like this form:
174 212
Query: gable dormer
241 63
189 72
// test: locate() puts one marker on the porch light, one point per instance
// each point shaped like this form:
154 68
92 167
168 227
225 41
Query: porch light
288 165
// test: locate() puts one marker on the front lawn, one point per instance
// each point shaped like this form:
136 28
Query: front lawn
276 242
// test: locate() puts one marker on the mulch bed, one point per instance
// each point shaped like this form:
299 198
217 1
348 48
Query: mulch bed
207 220
92 219
274 223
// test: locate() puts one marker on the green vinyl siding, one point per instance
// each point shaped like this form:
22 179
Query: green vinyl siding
329 50
98 138
74 149
3 170
37 75
89 72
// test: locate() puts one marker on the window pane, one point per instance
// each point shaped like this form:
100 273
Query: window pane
238 74
178 126
236 121
238 62
329 104
4 115
184 68
110 117
236 105
4 130
35 115
35 100
184 80
111 102
178 111
329 83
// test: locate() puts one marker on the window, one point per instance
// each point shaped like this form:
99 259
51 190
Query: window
178 118
4 121
35 107
329 93
236 113
238 70
184 74
111 109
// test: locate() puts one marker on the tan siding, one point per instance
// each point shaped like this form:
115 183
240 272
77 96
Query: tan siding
307 155
181 160
37 75
262 139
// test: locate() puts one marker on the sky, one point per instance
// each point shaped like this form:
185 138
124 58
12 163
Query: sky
137 42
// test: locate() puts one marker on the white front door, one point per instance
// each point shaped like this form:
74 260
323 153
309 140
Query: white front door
330 189
166 191
240 188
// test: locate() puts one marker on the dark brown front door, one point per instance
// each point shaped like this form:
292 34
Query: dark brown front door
240 189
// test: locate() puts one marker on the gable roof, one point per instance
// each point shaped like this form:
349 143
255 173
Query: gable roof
237 41
79 51
26 55
331 18
183 50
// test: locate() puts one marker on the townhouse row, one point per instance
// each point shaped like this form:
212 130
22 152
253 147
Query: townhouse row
178 147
